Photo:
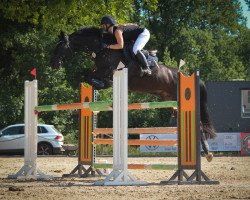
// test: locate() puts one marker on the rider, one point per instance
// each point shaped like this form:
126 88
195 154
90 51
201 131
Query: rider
128 33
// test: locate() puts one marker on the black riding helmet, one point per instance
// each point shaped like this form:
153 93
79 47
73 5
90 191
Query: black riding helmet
108 20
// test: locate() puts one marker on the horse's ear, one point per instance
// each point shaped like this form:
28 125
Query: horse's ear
61 36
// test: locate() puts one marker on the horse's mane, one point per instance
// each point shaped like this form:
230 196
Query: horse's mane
89 31
88 34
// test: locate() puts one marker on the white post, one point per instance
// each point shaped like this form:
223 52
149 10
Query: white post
29 170
120 174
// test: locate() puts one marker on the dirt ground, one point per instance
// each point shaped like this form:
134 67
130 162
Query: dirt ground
232 172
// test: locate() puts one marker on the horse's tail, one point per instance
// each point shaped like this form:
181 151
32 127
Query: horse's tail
207 125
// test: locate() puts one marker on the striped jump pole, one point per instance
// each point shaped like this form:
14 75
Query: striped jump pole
139 166
105 106
120 174
155 130
139 142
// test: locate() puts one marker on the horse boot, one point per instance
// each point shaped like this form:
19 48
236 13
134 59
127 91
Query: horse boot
142 59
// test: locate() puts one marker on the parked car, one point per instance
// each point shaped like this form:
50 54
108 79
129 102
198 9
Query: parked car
50 140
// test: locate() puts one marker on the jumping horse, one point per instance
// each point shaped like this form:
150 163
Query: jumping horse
162 82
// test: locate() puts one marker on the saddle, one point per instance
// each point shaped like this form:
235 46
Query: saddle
150 55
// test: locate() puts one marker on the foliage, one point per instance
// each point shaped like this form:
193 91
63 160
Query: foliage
215 53
243 42
167 60
70 139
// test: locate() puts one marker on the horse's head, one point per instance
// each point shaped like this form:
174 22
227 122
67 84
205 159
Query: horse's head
86 39
61 51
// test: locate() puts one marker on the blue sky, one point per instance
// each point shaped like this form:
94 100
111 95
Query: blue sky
246 12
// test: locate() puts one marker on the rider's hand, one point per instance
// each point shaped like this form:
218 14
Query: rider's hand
105 46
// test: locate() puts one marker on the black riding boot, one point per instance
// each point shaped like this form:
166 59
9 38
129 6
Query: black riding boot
142 59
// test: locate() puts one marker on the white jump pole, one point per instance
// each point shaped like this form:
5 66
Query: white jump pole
120 174
30 170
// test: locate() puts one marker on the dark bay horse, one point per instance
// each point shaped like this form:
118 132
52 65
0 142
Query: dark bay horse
162 82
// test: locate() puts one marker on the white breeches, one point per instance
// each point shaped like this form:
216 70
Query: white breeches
141 41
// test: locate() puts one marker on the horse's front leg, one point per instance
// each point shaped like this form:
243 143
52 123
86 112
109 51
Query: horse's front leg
99 80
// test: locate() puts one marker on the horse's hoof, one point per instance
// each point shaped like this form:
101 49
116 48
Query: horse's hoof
209 157
142 73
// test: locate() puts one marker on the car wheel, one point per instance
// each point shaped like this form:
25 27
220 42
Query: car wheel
44 149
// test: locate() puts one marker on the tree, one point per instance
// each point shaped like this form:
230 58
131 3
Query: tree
203 32
244 48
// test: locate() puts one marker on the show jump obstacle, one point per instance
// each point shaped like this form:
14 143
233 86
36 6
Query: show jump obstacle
188 140
189 157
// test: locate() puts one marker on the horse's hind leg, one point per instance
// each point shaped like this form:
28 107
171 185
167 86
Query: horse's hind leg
205 147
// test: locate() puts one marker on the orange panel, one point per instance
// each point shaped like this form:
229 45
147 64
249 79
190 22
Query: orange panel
187 82
86 96
187 120
85 144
